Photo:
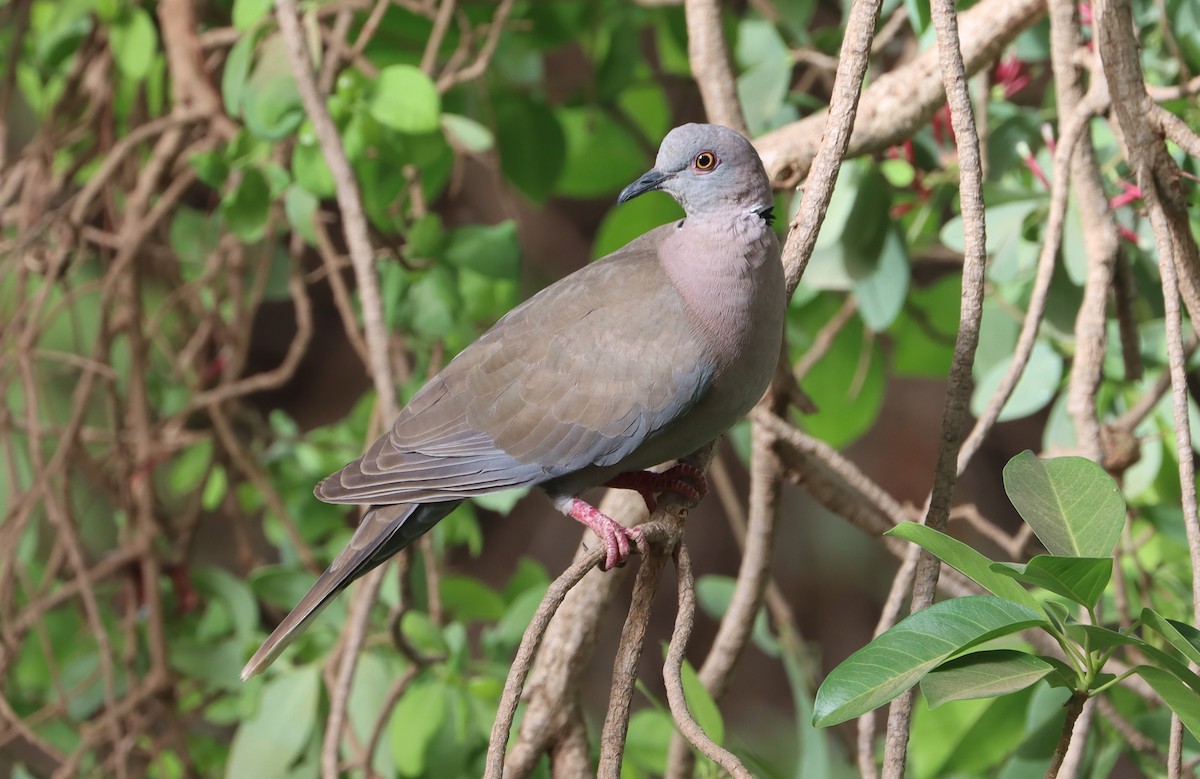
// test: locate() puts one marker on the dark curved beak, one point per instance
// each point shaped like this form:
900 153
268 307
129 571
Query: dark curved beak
650 180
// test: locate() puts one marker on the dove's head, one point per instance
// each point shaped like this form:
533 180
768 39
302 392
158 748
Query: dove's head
706 167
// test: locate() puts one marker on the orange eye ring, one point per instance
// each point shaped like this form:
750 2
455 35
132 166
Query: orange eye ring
705 162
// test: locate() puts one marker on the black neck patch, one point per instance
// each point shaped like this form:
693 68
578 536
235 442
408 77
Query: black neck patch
767 214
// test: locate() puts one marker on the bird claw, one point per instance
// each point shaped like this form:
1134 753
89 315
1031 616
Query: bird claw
683 479
616 537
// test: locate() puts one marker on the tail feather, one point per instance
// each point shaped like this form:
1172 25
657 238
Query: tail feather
383 532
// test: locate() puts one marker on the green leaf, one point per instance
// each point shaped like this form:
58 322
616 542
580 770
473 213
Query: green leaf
190 467
1097 638
602 154
467 134
247 208
416 720
966 738
300 206
965 560
247 13
627 221
404 98
1073 506
134 44
237 72
470 599
701 704
215 488
650 732
308 165
266 745
881 294
532 146
501 502
435 301
1180 635
985 674
900 657
1035 389
1081 579
492 250
270 100
1181 700
715 593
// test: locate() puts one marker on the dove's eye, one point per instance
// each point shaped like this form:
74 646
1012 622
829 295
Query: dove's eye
705 161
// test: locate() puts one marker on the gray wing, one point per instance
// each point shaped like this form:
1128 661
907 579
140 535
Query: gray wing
580 374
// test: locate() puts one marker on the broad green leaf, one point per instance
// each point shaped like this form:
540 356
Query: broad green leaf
467 134
222 590
236 72
763 85
1184 702
627 221
134 44
1035 389
300 206
900 657
986 674
266 745
650 732
247 207
501 502
602 154
434 300
1098 638
701 704
190 467
1180 635
308 164
368 696
470 599
965 738
848 384
270 100
215 488
532 146
415 721
247 13
491 250
715 593
1073 506
1081 579
965 560
404 99
881 295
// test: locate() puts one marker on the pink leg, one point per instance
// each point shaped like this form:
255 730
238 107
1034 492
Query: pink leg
685 480
616 537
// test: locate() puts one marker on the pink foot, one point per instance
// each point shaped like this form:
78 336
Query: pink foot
616 537
685 480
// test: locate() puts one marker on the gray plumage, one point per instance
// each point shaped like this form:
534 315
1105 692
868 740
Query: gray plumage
639 358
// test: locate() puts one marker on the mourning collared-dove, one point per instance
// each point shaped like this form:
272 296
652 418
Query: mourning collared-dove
639 358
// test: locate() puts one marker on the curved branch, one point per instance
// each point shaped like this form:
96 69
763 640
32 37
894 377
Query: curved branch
673 674
901 101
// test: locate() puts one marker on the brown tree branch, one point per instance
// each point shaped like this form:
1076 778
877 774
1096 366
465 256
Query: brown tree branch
710 65
899 102
954 77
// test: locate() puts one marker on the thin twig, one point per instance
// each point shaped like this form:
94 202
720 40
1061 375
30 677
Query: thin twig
958 391
673 674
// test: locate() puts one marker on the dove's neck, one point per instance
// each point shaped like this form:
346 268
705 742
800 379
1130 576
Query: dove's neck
725 265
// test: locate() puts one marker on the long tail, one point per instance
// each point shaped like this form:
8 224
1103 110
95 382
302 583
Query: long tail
383 532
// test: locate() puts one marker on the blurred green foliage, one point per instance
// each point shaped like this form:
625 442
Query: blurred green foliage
883 249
